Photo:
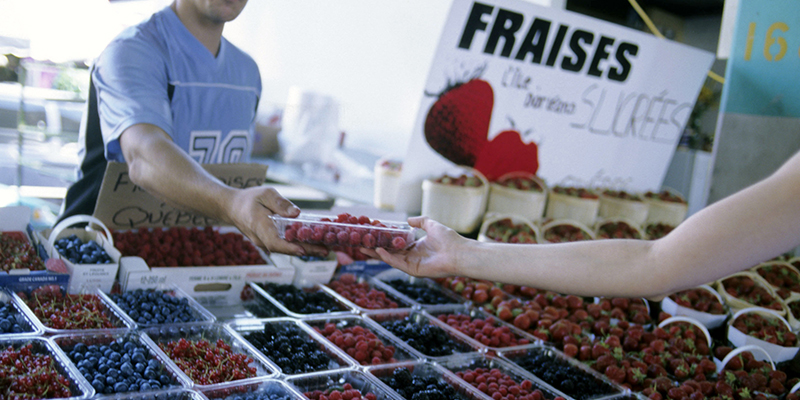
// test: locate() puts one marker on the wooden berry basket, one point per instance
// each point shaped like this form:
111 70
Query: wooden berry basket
737 304
515 219
562 206
776 352
708 320
667 212
615 207
527 203
603 222
387 183
458 207
558 222
791 270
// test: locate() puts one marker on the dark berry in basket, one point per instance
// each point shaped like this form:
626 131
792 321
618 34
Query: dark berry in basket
564 377
426 338
262 308
302 301
78 252
291 348
259 396
419 293
121 366
420 387
8 320
153 307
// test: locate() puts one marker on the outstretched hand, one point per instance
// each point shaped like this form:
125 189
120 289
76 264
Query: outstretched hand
432 256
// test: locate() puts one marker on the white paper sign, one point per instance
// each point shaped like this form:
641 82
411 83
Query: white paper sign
578 101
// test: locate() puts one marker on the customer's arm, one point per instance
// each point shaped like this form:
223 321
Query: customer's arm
159 166
731 235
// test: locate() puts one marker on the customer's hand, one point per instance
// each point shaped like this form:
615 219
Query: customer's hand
432 256
250 211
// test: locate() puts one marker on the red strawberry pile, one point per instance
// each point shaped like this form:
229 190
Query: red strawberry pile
347 231
482 293
207 363
506 231
622 195
360 343
617 230
17 252
61 311
346 393
361 294
699 299
744 377
565 233
620 308
746 289
24 374
785 279
576 192
461 180
500 386
767 328
486 331
664 196
520 183
657 230
186 247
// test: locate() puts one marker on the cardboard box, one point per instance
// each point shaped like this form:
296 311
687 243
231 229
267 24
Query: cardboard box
17 219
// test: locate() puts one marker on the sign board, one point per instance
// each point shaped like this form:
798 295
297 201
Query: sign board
123 205
578 101
758 128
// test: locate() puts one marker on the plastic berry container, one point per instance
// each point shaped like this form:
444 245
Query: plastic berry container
163 336
484 340
196 313
324 230
172 394
419 292
362 293
28 324
79 387
540 359
396 350
68 342
424 370
118 321
326 382
338 306
267 389
336 358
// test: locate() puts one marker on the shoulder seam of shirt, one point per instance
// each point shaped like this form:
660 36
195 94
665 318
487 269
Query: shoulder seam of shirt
219 85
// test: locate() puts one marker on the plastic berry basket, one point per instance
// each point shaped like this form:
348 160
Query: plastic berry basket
78 386
336 358
264 390
368 284
166 373
338 305
601 387
163 335
173 394
354 322
430 294
421 369
18 313
119 320
327 381
474 313
191 310
474 362
418 319
314 229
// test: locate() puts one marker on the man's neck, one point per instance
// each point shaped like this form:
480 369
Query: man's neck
208 32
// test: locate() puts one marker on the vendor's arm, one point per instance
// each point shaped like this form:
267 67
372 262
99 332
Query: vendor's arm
160 167
733 234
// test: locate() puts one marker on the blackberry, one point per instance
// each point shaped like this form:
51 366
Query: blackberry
420 293
11 321
426 338
154 307
78 252
420 387
262 308
291 348
300 301
564 377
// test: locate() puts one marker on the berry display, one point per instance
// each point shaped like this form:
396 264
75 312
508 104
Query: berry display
506 231
26 372
11 320
260 395
785 279
486 331
121 366
562 376
186 247
425 337
617 230
209 362
17 252
302 301
482 293
420 293
362 294
345 392
78 252
699 299
491 381
576 192
57 310
565 233
666 196
291 348
657 231
746 289
766 327
360 343
420 387
622 195
345 231
461 180
153 307
520 183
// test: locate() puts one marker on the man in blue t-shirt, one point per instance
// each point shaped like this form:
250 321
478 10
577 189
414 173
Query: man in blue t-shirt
167 95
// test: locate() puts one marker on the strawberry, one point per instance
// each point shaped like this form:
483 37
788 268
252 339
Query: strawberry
506 153
457 124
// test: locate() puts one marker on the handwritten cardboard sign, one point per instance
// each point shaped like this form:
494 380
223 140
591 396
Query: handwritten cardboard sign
576 100
123 205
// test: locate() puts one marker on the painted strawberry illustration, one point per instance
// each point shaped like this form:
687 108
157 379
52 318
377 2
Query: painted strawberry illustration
507 153
457 125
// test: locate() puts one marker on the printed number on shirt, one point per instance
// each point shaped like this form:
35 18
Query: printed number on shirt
207 148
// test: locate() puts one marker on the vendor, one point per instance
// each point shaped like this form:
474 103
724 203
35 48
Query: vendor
168 95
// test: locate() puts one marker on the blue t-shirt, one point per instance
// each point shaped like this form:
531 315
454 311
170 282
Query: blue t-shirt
211 114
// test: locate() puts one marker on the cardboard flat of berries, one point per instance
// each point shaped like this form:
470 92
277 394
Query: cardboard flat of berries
345 230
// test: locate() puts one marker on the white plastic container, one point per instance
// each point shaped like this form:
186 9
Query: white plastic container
510 200
458 207
387 173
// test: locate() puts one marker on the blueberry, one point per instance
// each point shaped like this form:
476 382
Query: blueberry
291 348
120 387
98 385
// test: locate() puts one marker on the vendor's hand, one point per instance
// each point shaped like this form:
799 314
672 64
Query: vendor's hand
250 211
432 256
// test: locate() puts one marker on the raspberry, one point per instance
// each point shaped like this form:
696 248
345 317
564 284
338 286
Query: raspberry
363 220
399 243
369 241
355 238
343 237
317 236
304 233
329 239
